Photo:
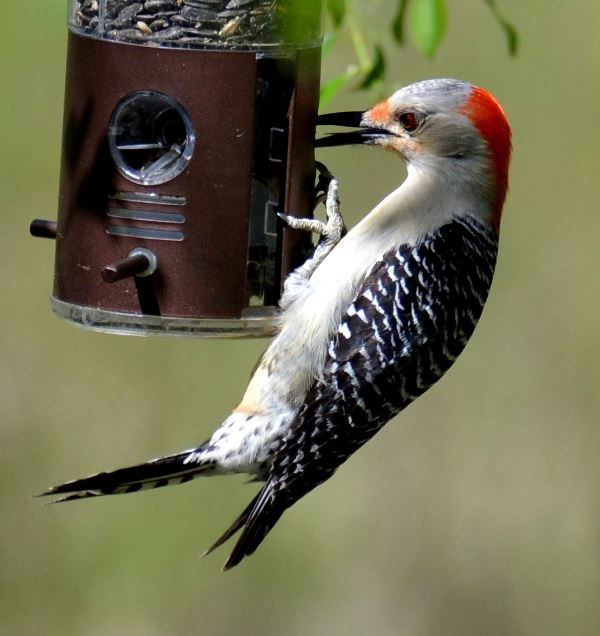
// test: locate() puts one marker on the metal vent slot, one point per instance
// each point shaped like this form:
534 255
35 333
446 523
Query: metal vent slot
145 233
145 215
148 197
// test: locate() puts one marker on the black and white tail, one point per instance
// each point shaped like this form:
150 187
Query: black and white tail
164 471
255 522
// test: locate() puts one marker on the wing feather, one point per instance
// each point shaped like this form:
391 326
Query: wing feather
409 321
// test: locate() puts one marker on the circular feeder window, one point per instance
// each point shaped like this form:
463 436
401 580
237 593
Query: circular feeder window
151 138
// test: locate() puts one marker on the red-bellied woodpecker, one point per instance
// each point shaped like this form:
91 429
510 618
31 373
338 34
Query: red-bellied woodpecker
372 320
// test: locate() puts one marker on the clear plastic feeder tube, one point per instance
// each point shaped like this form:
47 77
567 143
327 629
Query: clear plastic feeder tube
230 24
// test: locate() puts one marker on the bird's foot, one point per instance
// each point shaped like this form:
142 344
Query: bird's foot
330 231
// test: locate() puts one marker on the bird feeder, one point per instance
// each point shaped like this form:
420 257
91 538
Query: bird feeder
188 125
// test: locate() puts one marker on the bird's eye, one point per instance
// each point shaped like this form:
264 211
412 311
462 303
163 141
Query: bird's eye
409 120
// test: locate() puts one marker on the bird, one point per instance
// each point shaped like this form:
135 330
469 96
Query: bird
371 320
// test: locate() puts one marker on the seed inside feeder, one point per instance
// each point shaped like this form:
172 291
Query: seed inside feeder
187 23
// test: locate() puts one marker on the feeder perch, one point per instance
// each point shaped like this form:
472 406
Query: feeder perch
188 125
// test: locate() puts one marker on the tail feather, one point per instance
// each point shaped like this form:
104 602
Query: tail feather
234 527
257 520
164 471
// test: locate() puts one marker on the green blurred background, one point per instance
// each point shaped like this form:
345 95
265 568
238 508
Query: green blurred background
476 512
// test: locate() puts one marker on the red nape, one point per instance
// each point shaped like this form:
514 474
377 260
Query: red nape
489 118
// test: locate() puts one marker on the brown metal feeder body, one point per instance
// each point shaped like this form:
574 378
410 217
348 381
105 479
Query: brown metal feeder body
177 157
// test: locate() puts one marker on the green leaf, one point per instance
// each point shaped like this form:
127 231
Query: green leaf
332 87
337 11
427 24
376 72
398 21
359 41
512 37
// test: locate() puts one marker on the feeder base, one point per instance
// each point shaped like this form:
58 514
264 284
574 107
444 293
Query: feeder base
259 323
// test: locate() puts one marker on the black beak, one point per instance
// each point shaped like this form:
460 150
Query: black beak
351 119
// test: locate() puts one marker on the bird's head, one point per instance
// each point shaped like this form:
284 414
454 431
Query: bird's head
442 126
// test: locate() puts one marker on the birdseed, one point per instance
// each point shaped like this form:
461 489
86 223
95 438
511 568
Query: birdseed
191 23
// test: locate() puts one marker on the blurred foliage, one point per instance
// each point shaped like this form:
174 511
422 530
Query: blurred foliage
427 20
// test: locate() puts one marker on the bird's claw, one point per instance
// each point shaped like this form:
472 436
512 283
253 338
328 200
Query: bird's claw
331 231
307 225
322 185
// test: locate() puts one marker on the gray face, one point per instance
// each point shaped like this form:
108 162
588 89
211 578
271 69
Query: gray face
441 130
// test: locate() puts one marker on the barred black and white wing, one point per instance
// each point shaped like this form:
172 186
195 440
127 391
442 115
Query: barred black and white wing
411 318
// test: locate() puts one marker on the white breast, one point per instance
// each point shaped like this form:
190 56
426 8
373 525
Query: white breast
403 217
